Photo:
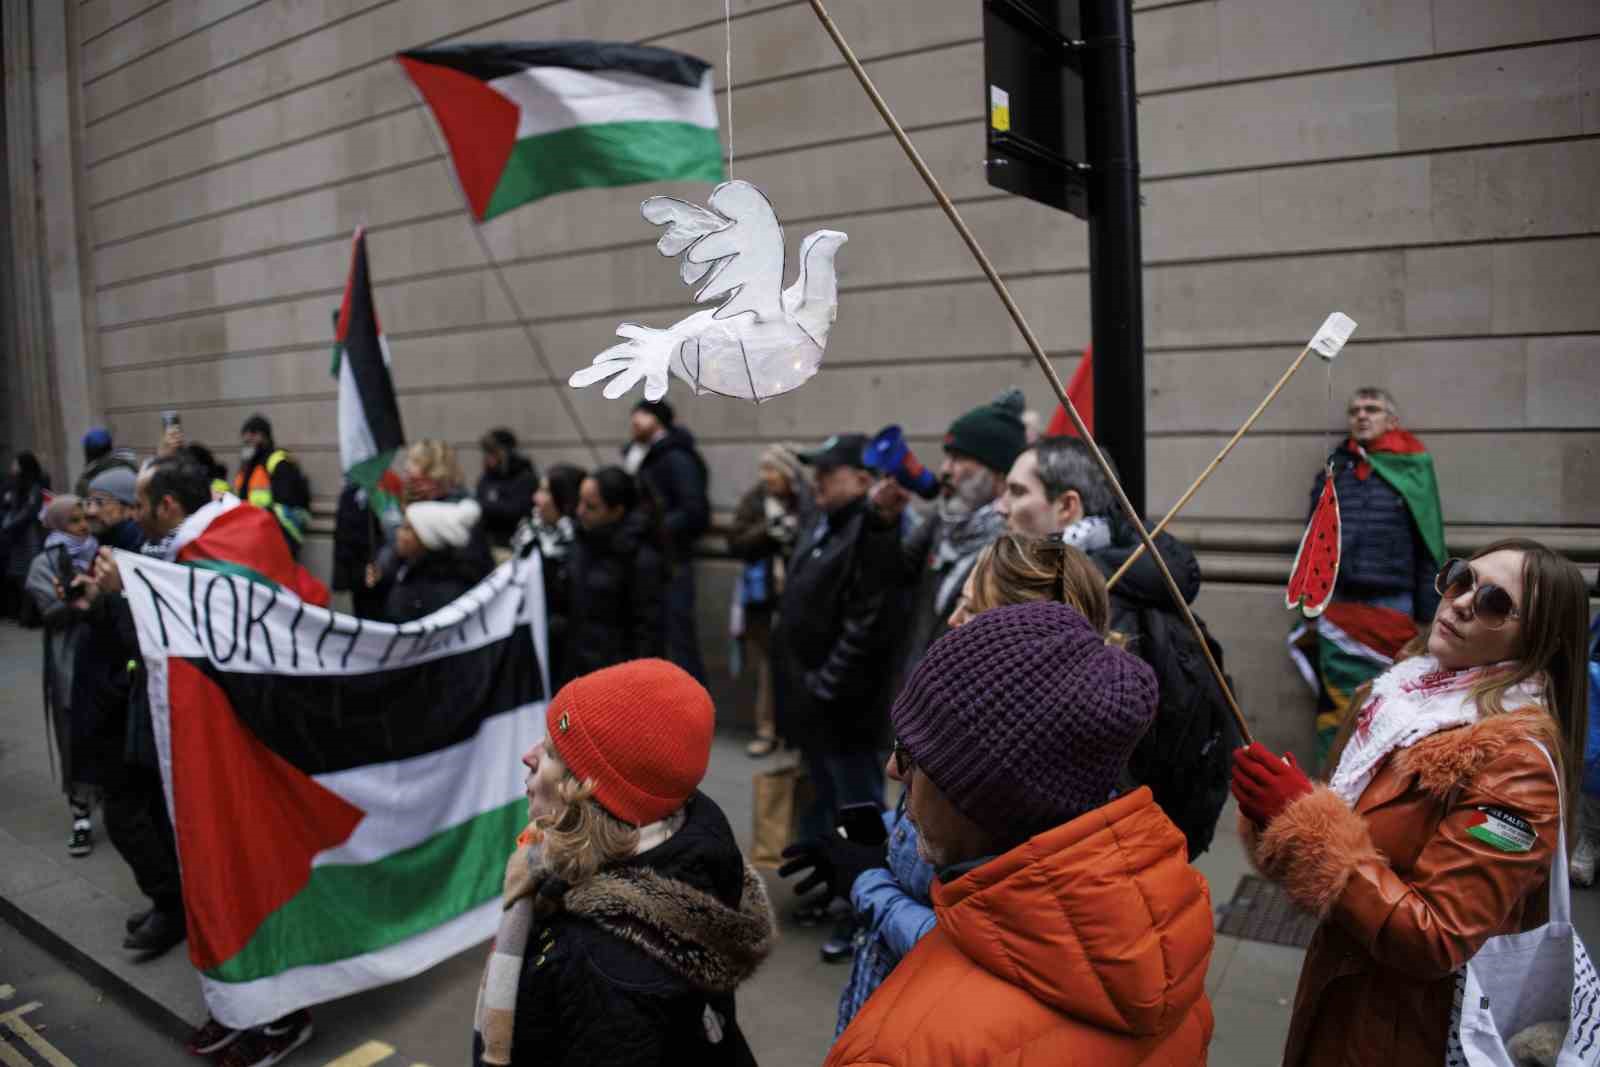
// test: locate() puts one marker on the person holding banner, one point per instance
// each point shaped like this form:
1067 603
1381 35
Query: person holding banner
1437 829
630 917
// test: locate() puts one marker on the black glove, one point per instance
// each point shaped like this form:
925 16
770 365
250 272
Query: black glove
832 861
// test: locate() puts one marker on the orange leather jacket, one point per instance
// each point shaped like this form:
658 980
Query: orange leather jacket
1407 890
1088 944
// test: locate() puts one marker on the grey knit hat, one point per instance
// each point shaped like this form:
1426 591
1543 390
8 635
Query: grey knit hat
1024 717
115 482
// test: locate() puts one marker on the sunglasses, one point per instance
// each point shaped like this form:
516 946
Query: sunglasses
903 763
1491 605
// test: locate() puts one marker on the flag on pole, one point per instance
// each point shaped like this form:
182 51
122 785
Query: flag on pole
1081 391
369 416
344 793
527 120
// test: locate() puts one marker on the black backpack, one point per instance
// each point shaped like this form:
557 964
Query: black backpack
1186 755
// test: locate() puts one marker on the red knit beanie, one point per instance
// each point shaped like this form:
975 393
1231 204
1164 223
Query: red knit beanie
641 730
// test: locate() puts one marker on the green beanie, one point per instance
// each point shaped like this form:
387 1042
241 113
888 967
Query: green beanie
993 433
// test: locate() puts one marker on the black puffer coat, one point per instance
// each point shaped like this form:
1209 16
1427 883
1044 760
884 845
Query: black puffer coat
425 585
639 968
506 497
836 624
676 474
616 585
1380 549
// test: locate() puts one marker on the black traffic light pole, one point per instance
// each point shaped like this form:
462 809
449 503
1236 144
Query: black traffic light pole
1116 289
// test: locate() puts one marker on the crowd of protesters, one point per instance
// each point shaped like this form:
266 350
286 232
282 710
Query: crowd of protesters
1060 744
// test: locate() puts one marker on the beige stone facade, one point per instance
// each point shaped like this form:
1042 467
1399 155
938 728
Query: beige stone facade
1427 166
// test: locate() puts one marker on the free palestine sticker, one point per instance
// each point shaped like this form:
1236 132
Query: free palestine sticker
1501 829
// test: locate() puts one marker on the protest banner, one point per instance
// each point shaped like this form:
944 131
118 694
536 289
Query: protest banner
345 793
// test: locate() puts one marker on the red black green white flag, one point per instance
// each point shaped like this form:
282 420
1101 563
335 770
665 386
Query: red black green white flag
345 793
527 120
369 415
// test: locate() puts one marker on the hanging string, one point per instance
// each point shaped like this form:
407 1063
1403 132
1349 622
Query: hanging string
727 65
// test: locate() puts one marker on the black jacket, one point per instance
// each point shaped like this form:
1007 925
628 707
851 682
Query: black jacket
427 584
616 587
1380 548
110 704
506 497
639 965
21 532
674 471
832 646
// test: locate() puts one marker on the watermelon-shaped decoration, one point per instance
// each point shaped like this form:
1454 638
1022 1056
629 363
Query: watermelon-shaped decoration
1316 565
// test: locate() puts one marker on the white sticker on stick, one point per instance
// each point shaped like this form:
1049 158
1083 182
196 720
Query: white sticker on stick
1335 331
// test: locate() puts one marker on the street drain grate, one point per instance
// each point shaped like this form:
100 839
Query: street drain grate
1261 911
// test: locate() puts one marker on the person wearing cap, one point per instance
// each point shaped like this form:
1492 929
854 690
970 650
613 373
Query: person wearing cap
937 556
1069 926
268 477
630 917
766 527
438 553
663 456
832 644
109 509
100 454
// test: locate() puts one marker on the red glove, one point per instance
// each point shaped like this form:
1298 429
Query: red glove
1265 784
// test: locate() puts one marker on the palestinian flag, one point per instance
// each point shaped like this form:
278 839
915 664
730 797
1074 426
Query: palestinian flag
369 415
1401 460
227 537
527 120
1348 645
344 793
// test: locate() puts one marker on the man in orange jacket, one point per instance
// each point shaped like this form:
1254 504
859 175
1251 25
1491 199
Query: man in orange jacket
1070 928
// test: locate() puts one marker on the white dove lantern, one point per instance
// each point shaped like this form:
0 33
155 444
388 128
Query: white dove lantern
761 341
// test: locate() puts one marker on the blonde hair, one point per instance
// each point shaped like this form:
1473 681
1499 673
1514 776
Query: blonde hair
581 837
1020 570
437 460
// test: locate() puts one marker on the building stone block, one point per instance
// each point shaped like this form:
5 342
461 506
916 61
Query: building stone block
1467 24
1187 218
1580 478
1265 37
1177 47
1484 97
1448 290
96 17
219 46
1563 381
1522 191
249 379
154 29
414 192
1479 382
1380 202
387 143
1546 286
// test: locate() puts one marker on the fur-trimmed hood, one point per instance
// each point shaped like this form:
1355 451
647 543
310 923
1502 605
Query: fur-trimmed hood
691 903
1451 758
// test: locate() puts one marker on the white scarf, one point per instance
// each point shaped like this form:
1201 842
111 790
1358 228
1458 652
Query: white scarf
1089 534
1410 701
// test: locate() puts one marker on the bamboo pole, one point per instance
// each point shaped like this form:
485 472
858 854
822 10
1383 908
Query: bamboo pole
1034 346
1212 466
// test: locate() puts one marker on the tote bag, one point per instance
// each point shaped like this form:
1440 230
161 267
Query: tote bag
782 795
1517 980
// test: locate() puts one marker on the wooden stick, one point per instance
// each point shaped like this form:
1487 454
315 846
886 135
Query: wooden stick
1215 463
1039 356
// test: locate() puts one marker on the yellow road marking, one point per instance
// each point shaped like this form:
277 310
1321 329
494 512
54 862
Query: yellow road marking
363 1055
10 1057
12 1020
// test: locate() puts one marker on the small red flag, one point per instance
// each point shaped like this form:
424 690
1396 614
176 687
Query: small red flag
1081 392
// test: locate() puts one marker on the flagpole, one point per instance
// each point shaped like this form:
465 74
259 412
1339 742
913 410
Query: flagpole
1033 344
505 288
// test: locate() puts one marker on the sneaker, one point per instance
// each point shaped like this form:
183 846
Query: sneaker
269 1044
82 842
762 746
157 934
1581 868
137 919
212 1037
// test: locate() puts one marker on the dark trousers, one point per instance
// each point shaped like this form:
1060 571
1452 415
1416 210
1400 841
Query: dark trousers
683 641
838 779
137 822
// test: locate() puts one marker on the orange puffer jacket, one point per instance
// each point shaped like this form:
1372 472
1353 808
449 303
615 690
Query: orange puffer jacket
1088 945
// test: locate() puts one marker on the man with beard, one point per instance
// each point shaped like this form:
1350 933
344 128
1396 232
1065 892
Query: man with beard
937 556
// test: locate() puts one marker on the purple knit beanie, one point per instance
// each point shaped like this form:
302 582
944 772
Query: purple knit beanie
1024 717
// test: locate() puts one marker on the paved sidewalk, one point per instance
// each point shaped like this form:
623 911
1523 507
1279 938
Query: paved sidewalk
76 907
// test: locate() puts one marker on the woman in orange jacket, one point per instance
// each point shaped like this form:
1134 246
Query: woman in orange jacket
1437 829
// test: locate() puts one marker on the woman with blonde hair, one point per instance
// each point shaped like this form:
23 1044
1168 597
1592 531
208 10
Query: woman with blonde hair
889 885
441 550
1437 830
630 915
